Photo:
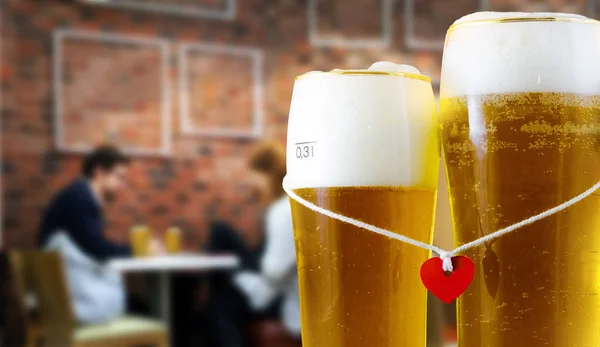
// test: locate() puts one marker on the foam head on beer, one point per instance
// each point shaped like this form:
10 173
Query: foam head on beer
372 127
520 56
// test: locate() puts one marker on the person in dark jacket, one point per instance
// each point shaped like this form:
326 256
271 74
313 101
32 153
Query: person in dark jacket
73 225
228 314
230 311
77 209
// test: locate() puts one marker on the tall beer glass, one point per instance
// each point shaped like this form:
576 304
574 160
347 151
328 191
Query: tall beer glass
520 117
363 144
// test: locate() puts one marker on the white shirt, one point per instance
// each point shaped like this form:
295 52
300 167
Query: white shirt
278 268
97 293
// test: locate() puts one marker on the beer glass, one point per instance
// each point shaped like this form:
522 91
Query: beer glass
520 119
140 241
173 240
363 144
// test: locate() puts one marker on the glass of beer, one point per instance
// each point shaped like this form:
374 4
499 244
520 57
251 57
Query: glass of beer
173 240
520 118
363 143
140 240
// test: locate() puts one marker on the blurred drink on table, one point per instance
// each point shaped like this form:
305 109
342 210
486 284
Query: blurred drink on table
173 240
140 241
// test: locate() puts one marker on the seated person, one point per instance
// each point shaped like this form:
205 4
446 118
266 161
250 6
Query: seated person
277 273
73 225
268 270
227 315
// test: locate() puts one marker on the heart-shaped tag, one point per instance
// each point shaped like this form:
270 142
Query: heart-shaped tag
447 287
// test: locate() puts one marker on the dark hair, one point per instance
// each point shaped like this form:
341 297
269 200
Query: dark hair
104 157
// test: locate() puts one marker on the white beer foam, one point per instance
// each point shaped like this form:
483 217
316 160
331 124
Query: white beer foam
360 129
388 66
535 56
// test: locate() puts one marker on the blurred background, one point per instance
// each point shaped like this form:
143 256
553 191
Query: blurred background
187 89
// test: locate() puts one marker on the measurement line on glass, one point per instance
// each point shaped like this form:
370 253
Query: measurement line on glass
305 149
446 256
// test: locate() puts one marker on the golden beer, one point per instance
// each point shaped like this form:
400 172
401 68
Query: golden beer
364 287
140 241
173 240
362 144
518 148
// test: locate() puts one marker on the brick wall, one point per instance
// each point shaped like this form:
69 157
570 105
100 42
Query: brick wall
205 178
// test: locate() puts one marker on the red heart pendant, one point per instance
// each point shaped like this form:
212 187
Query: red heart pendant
451 286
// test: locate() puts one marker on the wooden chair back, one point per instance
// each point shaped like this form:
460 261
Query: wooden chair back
20 269
30 329
50 286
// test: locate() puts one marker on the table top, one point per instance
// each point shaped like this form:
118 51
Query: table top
178 262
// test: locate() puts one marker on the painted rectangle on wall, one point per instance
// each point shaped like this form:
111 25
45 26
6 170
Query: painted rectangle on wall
221 90
210 9
350 23
111 89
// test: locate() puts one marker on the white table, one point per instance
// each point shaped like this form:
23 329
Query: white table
165 265
179 262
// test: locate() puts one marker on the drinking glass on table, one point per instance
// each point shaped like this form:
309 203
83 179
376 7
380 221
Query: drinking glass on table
140 241
173 240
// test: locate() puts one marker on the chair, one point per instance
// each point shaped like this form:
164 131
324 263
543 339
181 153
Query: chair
20 268
59 325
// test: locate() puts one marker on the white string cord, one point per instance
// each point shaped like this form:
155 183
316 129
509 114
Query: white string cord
446 256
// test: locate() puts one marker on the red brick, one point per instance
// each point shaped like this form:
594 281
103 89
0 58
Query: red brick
116 89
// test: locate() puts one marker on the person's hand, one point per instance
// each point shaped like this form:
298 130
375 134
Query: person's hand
157 248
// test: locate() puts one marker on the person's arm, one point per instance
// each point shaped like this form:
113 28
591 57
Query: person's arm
259 291
279 259
85 228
